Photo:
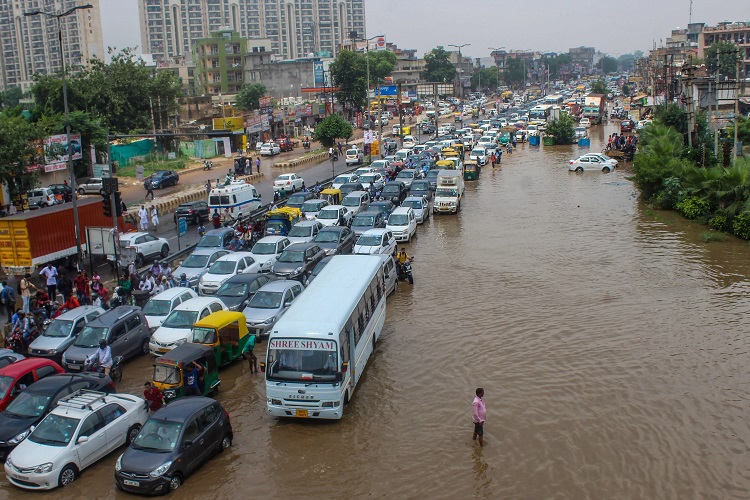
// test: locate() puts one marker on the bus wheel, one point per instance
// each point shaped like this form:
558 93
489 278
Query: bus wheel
346 398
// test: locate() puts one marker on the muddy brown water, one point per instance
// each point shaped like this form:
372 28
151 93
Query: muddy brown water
611 342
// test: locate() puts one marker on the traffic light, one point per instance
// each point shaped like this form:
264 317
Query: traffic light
118 203
107 204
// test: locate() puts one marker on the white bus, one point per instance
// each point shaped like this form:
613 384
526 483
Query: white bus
555 100
240 197
540 114
318 350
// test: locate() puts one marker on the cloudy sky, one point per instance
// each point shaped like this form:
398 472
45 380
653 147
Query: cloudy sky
612 26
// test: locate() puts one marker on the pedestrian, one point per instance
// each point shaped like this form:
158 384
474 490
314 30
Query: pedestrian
216 218
201 230
248 166
96 284
257 164
155 218
478 414
493 159
143 217
25 286
153 396
8 298
50 274
64 286
341 148
250 355
149 190
82 287
192 375
208 187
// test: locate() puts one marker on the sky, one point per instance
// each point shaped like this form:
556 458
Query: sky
613 27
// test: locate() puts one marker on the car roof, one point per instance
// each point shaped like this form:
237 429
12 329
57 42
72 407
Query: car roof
22 366
277 286
182 409
356 193
401 210
419 198
272 239
300 246
133 235
206 250
78 312
370 212
221 230
378 230
246 277
196 303
57 381
332 229
190 203
307 223
169 293
112 316
234 256
333 207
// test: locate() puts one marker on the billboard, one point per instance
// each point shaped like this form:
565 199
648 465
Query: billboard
233 123
319 73
56 151
387 90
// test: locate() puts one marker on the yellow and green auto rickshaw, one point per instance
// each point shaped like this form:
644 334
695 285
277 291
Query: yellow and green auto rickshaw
170 369
471 172
225 332
281 220
331 195
445 165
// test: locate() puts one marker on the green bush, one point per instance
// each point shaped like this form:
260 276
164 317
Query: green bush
692 207
670 194
720 222
709 237
741 225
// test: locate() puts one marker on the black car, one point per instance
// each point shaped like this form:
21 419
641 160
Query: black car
62 190
161 179
384 206
421 187
237 291
298 199
38 399
297 261
349 187
395 191
173 444
193 211
335 240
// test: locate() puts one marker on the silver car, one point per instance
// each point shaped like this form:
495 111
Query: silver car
60 332
269 303
197 264
91 186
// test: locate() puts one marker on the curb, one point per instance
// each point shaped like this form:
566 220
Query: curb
301 161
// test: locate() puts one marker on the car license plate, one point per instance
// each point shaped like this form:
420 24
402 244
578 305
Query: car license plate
162 349
20 477
302 413
74 368
128 482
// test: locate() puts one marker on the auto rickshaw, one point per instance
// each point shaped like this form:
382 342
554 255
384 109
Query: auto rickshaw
448 152
169 370
331 195
471 172
445 165
281 220
504 137
225 332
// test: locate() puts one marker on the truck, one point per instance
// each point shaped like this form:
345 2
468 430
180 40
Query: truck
449 191
593 108
36 237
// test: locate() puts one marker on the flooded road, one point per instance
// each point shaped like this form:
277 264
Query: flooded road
611 342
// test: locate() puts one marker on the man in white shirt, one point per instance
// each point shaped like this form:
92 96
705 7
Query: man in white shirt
50 274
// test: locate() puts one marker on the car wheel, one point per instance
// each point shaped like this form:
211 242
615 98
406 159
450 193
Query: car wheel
175 482
164 251
197 220
579 169
606 170
144 347
68 475
116 373
225 443
81 191
133 433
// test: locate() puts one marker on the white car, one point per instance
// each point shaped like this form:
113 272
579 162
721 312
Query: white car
304 231
334 215
479 155
420 206
310 208
290 182
410 141
84 427
91 186
592 161
160 305
354 156
343 179
642 124
376 241
266 250
176 328
585 122
362 171
270 149
402 223
146 246
375 179
224 268
532 130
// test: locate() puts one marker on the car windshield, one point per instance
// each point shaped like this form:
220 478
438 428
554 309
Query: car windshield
398 220
391 189
415 204
328 214
266 300
282 178
300 231
341 179
276 225
364 220
310 206
432 174
159 436
420 186
90 336
211 241
477 152
5 384
180 319
405 175
232 290
368 179
264 248
446 193
297 199
223 267
196 261
28 404
327 237
352 152
370 240
58 328
293 364
155 307
292 256
55 430
351 201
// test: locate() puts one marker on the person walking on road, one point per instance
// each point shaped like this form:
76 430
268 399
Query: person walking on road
478 414
155 218
25 287
8 296
149 191
50 274
143 217
208 186
257 164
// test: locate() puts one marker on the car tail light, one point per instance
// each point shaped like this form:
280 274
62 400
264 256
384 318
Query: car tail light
571 161
226 413
111 386
191 211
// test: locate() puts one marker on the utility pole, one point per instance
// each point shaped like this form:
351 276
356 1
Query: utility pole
435 95
400 117
689 100
716 115
736 110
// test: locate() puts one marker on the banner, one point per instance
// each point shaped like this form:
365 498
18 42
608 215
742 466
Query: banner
253 125
318 73
380 43
56 150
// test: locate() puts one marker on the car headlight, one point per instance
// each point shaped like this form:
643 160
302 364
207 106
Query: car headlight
161 470
8 462
118 464
297 271
64 359
269 320
44 468
19 437
180 342
170 393
52 351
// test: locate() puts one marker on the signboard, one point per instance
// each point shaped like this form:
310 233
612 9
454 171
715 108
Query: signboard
368 136
232 123
253 125
318 73
380 43
53 152
388 90
182 226
425 89
317 345
139 172
264 101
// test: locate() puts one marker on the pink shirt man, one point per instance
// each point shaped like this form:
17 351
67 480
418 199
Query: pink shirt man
478 411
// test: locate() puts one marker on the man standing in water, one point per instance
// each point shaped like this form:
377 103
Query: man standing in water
478 414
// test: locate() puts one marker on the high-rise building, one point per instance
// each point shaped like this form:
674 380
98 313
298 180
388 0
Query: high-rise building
30 45
737 33
296 28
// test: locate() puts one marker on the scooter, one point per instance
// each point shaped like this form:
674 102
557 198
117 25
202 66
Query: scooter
208 165
115 372
306 144
404 272
335 155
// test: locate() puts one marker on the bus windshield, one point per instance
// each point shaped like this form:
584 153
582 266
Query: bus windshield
302 365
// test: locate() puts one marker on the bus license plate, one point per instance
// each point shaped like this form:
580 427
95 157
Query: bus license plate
131 483
302 413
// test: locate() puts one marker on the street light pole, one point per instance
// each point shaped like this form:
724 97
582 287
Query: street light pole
367 95
460 61
76 224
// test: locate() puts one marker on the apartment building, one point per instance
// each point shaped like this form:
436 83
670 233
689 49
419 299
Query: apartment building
736 33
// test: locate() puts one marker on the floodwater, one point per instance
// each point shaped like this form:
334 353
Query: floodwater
611 342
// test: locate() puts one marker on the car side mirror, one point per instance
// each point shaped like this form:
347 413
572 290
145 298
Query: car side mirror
82 439
287 303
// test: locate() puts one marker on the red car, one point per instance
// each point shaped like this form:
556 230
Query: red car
17 376
626 126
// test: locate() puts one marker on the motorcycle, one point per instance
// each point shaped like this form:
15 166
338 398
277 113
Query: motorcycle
18 343
404 272
208 165
334 156
306 144
115 372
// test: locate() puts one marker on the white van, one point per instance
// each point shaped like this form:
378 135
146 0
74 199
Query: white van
176 328
356 201
402 223
240 197
389 274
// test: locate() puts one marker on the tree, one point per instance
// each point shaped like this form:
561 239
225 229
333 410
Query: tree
625 89
487 77
673 116
438 66
599 87
10 97
727 60
331 128
514 72
555 63
607 64
562 128
349 72
19 148
249 96
382 63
